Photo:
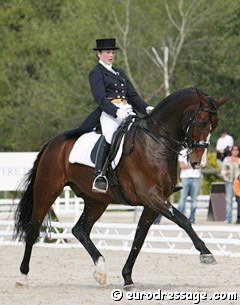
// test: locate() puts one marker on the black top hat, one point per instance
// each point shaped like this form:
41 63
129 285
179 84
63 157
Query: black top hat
106 44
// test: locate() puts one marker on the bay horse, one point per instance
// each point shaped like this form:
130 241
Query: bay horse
147 175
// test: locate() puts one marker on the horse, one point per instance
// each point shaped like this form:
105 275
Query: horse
146 173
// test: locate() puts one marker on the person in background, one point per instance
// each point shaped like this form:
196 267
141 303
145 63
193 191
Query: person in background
230 171
223 146
190 181
116 99
236 189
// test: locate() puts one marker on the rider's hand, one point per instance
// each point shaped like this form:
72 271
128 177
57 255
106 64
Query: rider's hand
122 113
149 109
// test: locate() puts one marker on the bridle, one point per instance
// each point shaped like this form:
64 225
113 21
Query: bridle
188 142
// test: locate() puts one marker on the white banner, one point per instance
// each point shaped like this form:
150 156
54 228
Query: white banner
13 167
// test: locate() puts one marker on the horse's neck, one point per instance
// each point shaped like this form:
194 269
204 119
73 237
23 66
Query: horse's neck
170 120
165 124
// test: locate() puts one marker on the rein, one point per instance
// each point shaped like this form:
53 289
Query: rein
158 138
188 142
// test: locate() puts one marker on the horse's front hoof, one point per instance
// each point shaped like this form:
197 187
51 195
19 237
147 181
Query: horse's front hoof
22 282
100 274
207 259
129 287
100 277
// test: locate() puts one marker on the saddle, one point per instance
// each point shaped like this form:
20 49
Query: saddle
85 148
118 136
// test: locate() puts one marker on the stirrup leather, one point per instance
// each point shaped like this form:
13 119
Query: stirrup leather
96 189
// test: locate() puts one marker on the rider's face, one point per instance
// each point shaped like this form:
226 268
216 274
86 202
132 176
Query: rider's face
107 56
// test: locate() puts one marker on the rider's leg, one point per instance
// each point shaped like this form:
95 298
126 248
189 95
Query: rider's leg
100 183
109 125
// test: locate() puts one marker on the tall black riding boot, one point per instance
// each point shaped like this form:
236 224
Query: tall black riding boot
100 183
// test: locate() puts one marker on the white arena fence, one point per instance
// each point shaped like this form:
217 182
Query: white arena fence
222 240
72 205
69 205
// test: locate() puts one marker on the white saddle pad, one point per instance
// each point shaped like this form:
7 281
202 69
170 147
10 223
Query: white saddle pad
82 150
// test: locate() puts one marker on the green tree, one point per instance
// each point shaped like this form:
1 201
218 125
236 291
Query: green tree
45 58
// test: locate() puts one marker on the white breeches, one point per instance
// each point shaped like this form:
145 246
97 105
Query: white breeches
110 124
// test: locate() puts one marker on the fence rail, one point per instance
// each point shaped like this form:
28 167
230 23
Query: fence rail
222 240
70 205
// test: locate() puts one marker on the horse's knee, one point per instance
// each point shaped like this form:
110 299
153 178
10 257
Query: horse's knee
76 231
181 219
79 233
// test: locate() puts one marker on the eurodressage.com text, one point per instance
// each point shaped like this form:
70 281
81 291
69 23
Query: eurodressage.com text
159 295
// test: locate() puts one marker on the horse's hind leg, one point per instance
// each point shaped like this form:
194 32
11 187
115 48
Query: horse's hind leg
42 203
181 220
91 213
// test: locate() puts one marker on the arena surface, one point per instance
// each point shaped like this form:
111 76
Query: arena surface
64 276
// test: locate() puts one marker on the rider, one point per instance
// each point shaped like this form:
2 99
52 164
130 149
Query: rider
116 98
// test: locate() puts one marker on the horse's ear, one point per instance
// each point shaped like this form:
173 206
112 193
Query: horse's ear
222 100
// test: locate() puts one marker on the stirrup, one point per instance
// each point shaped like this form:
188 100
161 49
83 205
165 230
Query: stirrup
101 186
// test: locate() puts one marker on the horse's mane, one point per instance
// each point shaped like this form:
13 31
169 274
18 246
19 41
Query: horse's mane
176 96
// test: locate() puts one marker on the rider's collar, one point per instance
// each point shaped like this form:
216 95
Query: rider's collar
108 67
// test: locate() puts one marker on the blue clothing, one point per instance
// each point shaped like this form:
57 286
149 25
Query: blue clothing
106 86
191 187
229 200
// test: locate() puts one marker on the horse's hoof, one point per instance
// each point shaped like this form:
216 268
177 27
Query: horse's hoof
100 274
99 277
207 259
129 287
22 282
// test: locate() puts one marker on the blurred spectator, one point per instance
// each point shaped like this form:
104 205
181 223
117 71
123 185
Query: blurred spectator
190 180
223 146
230 171
236 189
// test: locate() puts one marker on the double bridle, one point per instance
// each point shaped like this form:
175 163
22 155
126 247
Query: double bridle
188 142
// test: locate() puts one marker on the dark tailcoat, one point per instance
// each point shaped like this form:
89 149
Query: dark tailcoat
106 86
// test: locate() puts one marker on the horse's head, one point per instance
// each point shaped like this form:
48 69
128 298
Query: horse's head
201 125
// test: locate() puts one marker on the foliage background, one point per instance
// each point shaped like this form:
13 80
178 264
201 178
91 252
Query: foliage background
46 55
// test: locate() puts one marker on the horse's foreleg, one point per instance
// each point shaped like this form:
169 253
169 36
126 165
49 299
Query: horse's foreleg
181 220
91 213
146 220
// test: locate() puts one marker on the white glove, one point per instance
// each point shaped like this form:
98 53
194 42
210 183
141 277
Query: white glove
149 109
122 113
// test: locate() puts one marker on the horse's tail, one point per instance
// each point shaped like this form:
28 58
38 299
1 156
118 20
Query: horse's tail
23 212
